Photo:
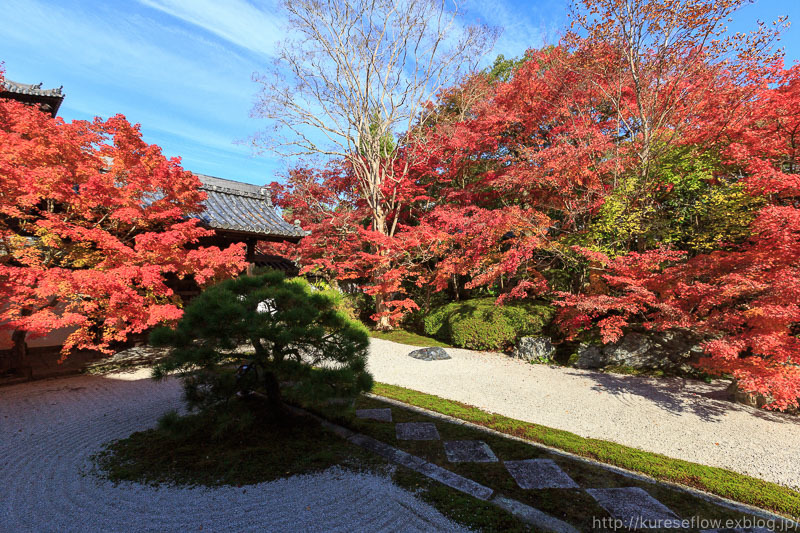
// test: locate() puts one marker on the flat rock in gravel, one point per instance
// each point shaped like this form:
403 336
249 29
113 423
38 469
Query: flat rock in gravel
539 474
633 505
534 349
416 431
469 451
382 415
429 354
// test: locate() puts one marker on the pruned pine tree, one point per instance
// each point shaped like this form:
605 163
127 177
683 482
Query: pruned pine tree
266 336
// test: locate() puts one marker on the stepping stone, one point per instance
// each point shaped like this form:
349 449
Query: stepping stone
469 451
429 354
383 415
539 474
416 431
634 506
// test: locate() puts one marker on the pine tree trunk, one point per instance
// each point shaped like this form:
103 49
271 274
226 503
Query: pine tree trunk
274 398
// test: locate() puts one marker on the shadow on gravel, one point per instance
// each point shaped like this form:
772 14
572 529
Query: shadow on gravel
679 396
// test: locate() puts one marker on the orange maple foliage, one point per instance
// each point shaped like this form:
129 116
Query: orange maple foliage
92 222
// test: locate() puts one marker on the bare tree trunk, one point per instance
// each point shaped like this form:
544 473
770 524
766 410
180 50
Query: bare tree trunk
353 81
383 323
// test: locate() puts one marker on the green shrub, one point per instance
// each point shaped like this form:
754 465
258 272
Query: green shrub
481 325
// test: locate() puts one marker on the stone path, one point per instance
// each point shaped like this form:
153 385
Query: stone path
632 506
382 415
469 451
417 431
539 474
684 419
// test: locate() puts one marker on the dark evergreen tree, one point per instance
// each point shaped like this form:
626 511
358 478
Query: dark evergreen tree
269 337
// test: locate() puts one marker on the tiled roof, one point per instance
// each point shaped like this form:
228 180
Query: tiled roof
48 100
34 90
243 208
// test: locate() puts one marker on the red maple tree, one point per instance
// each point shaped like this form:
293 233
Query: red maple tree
342 246
507 173
523 166
745 301
93 222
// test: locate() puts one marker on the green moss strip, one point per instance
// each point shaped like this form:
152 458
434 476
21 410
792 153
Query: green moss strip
725 483
406 337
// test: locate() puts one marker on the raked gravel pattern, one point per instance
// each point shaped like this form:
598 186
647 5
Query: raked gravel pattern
684 419
49 429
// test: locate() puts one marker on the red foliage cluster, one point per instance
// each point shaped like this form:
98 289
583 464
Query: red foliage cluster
507 177
526 165
92 221
745 301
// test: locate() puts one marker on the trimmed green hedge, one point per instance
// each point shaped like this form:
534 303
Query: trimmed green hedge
479 324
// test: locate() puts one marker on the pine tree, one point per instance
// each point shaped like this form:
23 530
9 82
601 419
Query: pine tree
296 340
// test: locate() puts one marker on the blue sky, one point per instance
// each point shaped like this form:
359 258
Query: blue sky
182 68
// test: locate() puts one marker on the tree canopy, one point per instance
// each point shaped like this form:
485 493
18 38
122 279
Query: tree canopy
642 172
94 222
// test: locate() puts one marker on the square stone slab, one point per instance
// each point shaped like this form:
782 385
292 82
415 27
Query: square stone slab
469 451
539 474
633 505
416 431
383 415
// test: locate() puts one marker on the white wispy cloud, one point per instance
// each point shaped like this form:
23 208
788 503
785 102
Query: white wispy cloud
524 24
237 21
190 90
130 53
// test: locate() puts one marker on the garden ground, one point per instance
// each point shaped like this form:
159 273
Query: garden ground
55 426
51 428
679 418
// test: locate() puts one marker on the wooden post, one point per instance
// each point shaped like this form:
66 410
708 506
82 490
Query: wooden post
250 257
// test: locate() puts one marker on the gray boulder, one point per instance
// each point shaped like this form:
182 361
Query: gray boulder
753 399
429 354
534 349
670 351
590 357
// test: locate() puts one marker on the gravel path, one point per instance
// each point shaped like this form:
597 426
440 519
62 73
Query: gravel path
685 419
48 429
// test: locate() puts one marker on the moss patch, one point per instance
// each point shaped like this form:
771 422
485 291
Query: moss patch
725 483
479 324
571 505
232 449
406 337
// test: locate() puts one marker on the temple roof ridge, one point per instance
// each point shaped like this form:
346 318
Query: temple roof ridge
243 208
31 88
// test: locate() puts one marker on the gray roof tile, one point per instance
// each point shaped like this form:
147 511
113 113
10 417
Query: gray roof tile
32 89
241 207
